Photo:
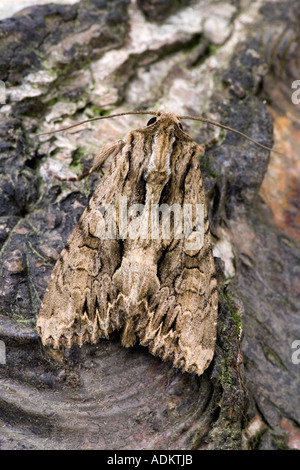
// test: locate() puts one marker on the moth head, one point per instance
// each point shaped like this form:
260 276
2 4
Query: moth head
165 116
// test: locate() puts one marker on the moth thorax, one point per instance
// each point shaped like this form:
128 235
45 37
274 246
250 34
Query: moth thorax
158 171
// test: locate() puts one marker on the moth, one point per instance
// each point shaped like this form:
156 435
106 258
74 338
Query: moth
158 290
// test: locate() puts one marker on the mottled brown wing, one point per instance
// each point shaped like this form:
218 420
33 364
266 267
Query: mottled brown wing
182 323
166 289
78 305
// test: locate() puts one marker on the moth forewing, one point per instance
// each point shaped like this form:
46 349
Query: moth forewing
156 289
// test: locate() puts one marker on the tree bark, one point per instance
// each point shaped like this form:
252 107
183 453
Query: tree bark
233 61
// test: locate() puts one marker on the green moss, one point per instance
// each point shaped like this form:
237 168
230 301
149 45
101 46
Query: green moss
51 102
279 442
194 438
272 356
213 49
225 376
226 435
207 168
77 157
22 320
99 112
254 442
234 315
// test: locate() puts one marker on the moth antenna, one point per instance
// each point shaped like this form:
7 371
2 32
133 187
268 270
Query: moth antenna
97 119
218 124
154 113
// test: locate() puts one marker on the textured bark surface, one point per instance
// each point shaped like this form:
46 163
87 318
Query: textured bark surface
233 61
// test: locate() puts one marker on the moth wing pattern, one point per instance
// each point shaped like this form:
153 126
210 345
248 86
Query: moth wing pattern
79 300
187 304
179 321
160 292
